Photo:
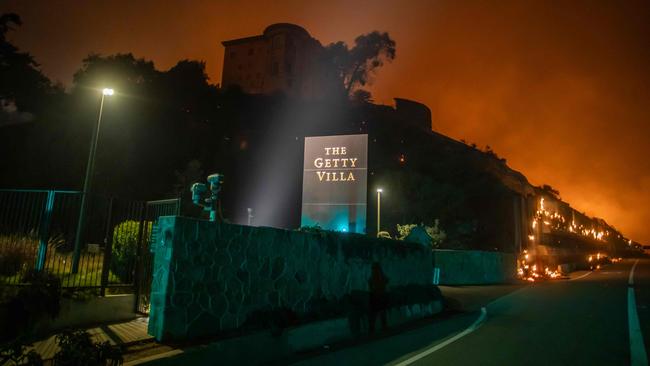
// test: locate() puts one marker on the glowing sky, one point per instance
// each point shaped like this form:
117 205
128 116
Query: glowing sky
559 88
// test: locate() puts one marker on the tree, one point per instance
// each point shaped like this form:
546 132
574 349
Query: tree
6 20
24 88
355 66
120 71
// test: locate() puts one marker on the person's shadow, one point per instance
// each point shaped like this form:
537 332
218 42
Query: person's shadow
378 305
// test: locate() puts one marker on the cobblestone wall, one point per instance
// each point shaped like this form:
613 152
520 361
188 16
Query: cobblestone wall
209 278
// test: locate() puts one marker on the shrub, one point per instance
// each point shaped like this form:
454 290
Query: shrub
435 232
27 305
384 235
404 230
15 353
125 246
13 258
77 348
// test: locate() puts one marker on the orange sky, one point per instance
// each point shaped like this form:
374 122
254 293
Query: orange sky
559 88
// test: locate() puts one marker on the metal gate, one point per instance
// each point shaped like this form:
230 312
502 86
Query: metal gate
152 211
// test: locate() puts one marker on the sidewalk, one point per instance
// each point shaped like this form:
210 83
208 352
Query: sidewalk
123 333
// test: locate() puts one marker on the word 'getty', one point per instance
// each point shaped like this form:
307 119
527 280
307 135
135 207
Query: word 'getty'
338 162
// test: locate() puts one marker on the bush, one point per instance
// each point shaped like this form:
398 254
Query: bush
77 348
13 258
27 305
15 353
125 246
435 232
384 235
404 230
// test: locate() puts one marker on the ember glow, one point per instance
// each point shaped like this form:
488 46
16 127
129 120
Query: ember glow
530 271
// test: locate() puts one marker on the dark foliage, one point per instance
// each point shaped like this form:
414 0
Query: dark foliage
15 353
77 348
12 260
26 305
354 67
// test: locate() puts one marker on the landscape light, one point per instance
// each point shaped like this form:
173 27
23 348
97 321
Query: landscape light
379 190
108 91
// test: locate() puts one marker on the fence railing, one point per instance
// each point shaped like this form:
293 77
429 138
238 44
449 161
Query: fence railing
38 229
152 211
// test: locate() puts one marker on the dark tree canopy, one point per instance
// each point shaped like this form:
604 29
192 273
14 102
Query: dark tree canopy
120 71
24 89
356 66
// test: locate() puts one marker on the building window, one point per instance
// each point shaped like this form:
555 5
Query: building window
233 54
274 68
288 68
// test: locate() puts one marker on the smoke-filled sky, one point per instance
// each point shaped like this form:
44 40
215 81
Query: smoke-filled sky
559 88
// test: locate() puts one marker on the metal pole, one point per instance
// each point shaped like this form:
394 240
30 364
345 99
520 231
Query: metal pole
108 248
90 167
44 231
378 212
138 275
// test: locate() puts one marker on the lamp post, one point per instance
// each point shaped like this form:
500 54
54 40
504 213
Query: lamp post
90 168
379 190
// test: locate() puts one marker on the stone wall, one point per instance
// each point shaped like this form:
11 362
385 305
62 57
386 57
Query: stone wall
473 267
212 278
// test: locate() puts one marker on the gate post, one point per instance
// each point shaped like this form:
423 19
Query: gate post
44 231
139 257
108 248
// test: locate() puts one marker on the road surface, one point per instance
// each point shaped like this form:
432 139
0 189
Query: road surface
589 320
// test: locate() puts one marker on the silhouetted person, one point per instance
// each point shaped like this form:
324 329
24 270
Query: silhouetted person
378 299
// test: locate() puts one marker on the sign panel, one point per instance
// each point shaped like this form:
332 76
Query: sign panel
334 182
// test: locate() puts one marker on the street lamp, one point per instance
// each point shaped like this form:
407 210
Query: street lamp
379 191
90 168
250 216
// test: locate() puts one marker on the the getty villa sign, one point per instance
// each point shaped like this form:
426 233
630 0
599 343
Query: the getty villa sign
334 183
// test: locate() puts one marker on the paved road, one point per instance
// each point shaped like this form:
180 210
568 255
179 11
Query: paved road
578 322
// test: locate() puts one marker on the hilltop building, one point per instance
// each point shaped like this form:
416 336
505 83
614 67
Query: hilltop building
282 58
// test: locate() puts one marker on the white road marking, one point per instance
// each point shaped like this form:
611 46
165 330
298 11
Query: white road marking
579 277
637 348
477 323
630 280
